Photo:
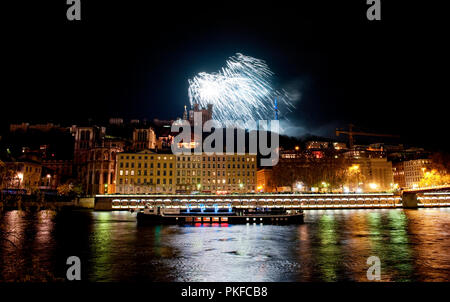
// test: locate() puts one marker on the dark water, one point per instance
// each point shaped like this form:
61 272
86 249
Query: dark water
413 245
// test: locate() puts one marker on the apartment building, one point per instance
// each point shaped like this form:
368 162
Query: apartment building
149 172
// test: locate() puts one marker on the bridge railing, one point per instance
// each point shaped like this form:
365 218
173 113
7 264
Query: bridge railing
294 201
433 199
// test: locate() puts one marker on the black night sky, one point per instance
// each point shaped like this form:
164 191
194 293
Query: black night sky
133 61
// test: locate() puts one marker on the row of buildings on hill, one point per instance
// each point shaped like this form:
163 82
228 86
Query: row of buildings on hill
134 157
325 166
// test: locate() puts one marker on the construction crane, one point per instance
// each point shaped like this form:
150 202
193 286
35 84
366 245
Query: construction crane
352 133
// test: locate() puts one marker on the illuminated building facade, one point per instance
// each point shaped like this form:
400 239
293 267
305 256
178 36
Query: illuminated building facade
376 174
206 113
316 145
145 172
144 139
398 170
216 173
148 172
95 159
22 175
60 170
101 169
264 182
414 171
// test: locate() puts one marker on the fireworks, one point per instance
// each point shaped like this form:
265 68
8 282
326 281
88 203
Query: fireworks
242 90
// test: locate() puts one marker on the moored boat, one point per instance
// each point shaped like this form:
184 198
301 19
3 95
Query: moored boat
158 215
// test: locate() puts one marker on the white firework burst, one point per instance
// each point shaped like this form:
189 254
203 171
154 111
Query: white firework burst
242 90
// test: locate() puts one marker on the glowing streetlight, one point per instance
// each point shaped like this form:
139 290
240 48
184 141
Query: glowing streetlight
20 177
299 186
373 186
354 168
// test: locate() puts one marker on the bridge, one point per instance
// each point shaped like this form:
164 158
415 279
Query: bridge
293 201
438 196
428 197
442 188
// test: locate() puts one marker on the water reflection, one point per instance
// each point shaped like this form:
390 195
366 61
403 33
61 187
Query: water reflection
334 245
26 245
429 238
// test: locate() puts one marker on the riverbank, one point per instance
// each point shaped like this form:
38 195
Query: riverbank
20 203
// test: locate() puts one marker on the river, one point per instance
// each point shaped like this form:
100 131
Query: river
332 245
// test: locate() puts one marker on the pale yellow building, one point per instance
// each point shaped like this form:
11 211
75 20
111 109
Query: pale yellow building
216 173
145 172
148 172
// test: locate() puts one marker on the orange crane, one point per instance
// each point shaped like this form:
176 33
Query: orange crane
352 133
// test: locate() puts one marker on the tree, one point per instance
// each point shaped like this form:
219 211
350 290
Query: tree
434 178
70 189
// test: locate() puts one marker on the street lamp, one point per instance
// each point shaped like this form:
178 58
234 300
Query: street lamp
20 177
373 186
48 179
